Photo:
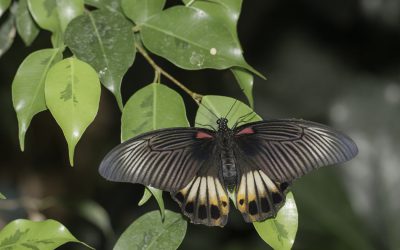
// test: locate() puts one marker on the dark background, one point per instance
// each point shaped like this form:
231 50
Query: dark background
334 62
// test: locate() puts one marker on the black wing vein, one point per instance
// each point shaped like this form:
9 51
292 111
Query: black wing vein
288 149
167 159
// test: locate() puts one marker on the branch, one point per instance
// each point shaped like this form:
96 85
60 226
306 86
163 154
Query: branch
196 97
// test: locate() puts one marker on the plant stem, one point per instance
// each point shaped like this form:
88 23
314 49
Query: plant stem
190 3
196 97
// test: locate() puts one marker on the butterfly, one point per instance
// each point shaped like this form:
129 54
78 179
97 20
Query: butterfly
256 161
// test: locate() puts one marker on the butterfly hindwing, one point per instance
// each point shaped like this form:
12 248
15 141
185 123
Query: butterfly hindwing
288 149
167 159
204 201
257 196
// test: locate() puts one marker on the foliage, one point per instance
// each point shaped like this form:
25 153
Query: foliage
104 37
25 234
151 232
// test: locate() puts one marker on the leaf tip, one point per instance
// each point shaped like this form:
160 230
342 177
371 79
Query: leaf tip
119 101
21 136
71 150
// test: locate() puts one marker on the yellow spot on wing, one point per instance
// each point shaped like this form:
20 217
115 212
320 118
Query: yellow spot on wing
203 191
193 190
222 197
212 191
251 190
259 184
241 195
271 186
186 189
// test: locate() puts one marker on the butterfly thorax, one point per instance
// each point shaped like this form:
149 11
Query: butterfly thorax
228 170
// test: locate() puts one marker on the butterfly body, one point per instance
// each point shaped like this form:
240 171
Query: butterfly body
256 161
225 141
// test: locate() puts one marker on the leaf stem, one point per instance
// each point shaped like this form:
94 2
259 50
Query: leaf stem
196 97
190 3
157 76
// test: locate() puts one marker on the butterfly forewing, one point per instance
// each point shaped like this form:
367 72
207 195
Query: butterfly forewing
167 159
259 160
287 149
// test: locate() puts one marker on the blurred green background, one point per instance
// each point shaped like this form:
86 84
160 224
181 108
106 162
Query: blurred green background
334 62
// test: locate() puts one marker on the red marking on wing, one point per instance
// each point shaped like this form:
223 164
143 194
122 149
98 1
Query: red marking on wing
203 135
246 131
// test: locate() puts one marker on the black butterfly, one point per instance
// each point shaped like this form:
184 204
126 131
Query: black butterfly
258 161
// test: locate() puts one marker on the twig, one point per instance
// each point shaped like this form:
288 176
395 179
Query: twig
196 97
190 3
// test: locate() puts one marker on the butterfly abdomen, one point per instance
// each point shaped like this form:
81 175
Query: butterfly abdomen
228 168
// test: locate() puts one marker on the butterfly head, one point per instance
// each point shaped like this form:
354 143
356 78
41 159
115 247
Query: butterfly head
222 124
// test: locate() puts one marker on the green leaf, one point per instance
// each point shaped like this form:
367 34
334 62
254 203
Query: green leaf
28 87
226 12
7 33
55 15
44 13
149 232
72 91
280 232
140 10
4 5
153 107
26 27
220 106
245 81
111 5
146 196
67 10
209 44
57 39
157 193
97 215
44 235
105 40
2 197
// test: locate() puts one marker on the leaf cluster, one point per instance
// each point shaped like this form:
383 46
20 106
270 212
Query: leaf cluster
104 37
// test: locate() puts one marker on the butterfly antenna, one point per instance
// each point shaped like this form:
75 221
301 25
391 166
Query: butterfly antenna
249 119
230 108
241 119
206 114
209 110
206 125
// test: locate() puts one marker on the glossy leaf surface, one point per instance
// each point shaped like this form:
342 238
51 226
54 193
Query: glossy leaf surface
104 39
140 10
7 33
153 107
226 12
72 91
149 232
220 106
111 5
26 27
55 15
209 44
245 80
44 235
4 5
28 87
